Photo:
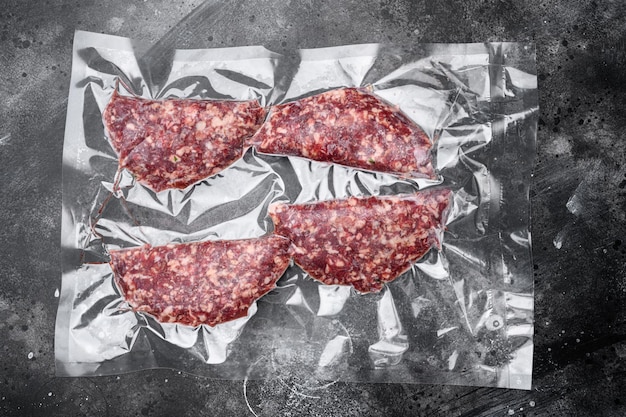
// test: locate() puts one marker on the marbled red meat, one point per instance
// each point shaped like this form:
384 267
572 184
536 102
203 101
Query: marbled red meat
351 127
208 282
174 143
362 241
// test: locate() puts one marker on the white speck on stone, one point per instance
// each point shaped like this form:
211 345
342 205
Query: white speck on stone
511 411
532 403
31 355
115 24
574 205
56 293
50 394
558 240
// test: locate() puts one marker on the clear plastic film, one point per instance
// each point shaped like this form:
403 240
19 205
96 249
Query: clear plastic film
460 315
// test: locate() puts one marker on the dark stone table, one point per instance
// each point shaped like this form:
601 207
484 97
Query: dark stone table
578 198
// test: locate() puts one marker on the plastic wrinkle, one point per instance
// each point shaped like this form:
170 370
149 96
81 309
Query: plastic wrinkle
459 313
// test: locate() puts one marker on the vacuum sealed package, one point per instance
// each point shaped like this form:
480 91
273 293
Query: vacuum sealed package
351 213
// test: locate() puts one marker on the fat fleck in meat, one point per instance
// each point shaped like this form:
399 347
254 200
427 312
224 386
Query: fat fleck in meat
362 241
176 142
200 283
351 127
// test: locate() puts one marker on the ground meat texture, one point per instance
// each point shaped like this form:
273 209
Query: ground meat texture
177 142
362 241
200 283
351 127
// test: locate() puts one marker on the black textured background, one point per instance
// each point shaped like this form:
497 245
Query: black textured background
578 197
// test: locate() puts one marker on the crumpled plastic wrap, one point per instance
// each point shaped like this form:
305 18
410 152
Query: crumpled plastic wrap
461 315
